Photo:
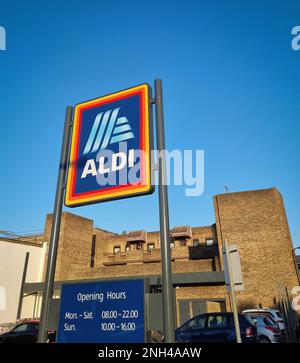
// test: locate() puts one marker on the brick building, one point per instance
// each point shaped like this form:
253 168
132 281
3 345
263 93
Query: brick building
253 220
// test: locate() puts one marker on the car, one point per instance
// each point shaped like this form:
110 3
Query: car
267 330
25 332
272 313
216 327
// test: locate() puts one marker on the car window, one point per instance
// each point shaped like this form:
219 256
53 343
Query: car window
196 323
230 321
20 328
244 320
268 321
272 319
32 328
252 319
216 321
279 315
249 318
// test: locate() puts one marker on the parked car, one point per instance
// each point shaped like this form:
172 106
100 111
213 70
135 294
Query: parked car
267 330
216 327
25 332
272 313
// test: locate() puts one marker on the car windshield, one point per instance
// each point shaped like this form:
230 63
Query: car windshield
27 327
20 328
260 319
32 328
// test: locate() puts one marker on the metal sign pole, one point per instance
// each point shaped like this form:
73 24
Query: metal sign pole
167 285
22 286
232 295
53 246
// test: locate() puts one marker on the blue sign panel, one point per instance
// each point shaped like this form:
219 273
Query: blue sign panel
102 312
110 148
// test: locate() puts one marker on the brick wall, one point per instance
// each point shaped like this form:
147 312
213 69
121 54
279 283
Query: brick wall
74 246
257 223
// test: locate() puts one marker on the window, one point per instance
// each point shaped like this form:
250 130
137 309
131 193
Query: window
209 242
196 323
136 246
196 242
213 265
268 321
182 242
127 248
32 328
244 321
253 320
117 249
172 244
20 328
216 321
93 251
150 247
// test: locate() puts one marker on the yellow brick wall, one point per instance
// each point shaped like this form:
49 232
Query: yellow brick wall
254 220
257 223
74 246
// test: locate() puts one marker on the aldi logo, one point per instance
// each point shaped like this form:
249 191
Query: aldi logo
111 130
110 148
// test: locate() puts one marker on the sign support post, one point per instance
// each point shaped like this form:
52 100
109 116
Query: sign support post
232 295
53 246
22 286
167 285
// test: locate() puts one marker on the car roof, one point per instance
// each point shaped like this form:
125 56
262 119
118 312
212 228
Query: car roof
260 310
210 314
258 316
262 317
29 322
215 314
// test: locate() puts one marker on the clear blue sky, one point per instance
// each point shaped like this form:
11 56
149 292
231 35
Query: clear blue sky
231 87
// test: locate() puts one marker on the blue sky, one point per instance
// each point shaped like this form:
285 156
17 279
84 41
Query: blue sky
231 87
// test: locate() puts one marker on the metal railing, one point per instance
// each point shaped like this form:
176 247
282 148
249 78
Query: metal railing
36 237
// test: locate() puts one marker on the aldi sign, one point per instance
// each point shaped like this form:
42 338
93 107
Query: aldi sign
110 148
